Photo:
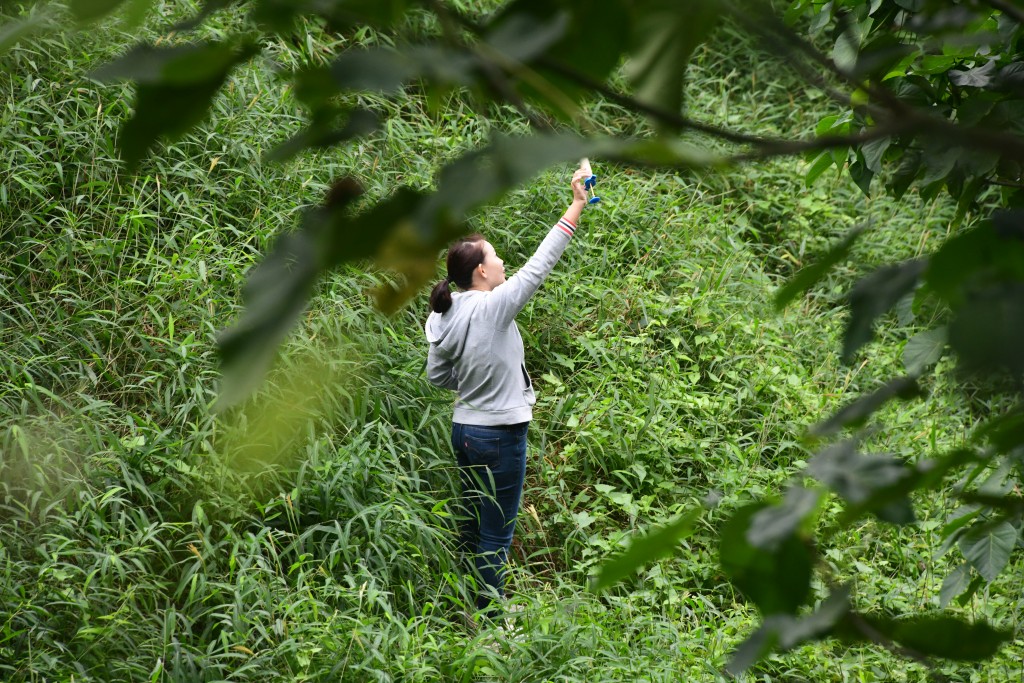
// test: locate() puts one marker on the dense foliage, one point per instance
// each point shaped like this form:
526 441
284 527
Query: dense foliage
304 532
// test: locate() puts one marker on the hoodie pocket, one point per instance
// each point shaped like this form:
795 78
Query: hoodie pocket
526 376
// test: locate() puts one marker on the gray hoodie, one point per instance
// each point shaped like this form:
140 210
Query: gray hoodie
475 346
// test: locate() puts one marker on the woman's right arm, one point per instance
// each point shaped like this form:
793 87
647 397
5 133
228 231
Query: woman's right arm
509 298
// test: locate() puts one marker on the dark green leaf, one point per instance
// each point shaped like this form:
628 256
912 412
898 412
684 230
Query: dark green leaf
819 165
905 173
856 413
879 56
784 632
319 136
523 36
987 329
775 523
861 176
665 34
924 349
859 479
176 86
873 296
954 584
276 294
90 10
989 254
944 636
978 77
873 152
988 547
777 581
812 274
1006 432
645 549
181 65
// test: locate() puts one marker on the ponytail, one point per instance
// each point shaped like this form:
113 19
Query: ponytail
441 297
463 257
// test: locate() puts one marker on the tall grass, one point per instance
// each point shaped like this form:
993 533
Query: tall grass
308 535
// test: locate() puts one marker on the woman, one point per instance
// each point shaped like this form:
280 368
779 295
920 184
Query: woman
476 350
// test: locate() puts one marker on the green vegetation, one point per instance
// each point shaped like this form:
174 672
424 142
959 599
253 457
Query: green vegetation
305 534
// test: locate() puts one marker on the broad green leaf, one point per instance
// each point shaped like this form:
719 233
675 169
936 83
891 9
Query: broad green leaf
320 136
175 88
1006 431
778 580
819 165
861 176
15 30
523 36
812 274
978 77
665 34
90 10
278 290
987 329
873 296
856 413
924 349
645 549
943 635
181 65
989 254
873 152
954 584
860 478
784 632
775 523
988 547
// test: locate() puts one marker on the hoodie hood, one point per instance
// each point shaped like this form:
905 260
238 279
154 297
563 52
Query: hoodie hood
449 330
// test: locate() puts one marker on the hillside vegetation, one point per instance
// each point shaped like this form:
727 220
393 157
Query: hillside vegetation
308 534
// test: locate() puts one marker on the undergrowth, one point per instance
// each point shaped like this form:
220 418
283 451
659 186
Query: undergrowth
308 535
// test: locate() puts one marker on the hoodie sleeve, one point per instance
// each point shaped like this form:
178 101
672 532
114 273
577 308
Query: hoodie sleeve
509 298
441 371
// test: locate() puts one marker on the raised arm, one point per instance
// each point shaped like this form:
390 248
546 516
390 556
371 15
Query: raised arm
509 298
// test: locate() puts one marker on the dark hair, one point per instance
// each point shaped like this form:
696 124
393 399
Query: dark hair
463 257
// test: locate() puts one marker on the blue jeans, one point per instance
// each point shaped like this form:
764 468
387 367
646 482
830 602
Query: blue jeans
492 467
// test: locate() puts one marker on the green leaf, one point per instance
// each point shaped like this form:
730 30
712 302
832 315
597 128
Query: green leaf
784 632
987 329
954 584
1006 431
873 296
176 87
665 34
944 636
861 478
523 36
819 165
278 290
873 152
645 549
320 135
775 523
924 349
861 176
777 580
812 274
988 547
978 77
90 10
856 413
